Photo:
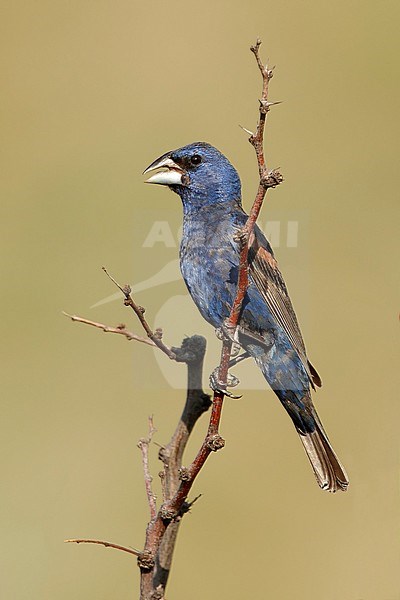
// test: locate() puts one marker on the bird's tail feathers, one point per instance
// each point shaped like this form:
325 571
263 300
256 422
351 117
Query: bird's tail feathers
328 470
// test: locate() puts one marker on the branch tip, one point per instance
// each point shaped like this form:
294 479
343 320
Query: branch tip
104 543
256 46
246 130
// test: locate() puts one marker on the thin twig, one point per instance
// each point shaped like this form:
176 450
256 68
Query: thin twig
120 329
143 444
156 336
104 543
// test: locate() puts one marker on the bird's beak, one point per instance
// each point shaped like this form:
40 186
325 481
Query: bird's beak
172 175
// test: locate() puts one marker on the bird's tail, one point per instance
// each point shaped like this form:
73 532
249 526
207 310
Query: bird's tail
328 470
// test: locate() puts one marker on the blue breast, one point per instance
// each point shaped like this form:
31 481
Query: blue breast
209 260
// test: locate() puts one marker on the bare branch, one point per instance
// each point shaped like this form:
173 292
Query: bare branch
106 544
120 329
144 444
156 336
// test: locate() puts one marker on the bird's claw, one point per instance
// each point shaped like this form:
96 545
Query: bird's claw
236 348
230 395
226 332
231 380
218 386
220 333
229 332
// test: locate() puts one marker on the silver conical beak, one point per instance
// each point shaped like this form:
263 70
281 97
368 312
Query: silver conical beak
171 176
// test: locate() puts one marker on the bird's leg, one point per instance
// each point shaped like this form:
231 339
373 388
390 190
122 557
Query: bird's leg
237 359
217 386
232 381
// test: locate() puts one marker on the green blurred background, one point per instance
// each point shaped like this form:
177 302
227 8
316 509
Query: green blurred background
92 92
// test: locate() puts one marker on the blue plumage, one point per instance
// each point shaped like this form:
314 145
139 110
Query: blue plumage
210 191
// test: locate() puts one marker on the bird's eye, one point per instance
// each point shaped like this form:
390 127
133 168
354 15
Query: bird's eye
195 159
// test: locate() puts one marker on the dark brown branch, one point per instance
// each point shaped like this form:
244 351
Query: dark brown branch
155 336
143 445
106 544
120 329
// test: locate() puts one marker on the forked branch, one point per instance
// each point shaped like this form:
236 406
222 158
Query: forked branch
155 336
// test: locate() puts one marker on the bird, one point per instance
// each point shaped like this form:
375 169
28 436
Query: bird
268 330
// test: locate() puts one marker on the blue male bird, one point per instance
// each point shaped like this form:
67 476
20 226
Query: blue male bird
213 217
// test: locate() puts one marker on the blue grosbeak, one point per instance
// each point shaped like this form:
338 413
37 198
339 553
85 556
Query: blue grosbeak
210 190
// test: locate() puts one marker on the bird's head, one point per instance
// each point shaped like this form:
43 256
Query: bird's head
199 173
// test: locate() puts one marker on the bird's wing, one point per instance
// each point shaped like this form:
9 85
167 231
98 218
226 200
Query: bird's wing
269 281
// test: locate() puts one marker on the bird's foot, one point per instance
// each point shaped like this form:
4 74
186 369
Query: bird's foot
217 386
229 332
236 348
220 333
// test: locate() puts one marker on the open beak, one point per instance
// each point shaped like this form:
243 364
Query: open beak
172 175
